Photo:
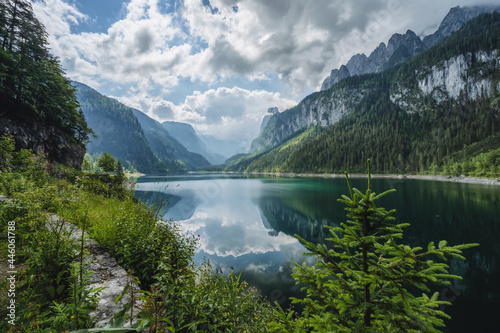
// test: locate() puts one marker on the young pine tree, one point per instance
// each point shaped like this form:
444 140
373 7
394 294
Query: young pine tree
366 280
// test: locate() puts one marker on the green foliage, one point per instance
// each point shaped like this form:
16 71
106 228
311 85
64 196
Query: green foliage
204 301
481 159
365 280
106 162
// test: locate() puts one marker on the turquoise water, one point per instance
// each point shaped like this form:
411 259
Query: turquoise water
247 223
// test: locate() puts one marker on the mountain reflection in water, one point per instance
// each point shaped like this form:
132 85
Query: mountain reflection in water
248 223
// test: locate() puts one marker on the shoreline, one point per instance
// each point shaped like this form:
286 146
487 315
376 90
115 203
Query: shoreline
461 179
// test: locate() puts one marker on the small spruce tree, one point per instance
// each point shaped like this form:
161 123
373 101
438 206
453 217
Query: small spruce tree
366 281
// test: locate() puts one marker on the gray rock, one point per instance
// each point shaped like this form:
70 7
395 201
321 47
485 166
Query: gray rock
401 47
47 141
106 276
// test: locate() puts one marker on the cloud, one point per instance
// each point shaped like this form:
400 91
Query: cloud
225 113
155 52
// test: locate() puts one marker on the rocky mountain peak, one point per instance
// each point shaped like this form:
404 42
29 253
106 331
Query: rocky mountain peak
401 47
273 110
454 20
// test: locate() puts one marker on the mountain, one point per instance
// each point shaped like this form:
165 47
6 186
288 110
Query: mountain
117 130
408 118
166 148
132 137
454 20
398 49
402 47
328 106
186 135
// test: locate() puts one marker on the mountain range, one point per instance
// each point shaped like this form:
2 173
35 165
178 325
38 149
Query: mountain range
409 106
131 136
402 47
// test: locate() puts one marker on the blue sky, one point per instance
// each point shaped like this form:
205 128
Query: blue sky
220 64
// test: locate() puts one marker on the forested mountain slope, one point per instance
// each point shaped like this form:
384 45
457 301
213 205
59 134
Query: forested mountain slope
406 119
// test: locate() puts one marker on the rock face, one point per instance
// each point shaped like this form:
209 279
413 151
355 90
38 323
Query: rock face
399 48
464 74
454 20
270 112
44 140
317 109
402 47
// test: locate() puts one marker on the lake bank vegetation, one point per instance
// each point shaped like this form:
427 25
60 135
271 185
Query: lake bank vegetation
179 296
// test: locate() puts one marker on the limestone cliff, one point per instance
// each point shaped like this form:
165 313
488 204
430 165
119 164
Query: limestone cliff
465 75
402 47
324 109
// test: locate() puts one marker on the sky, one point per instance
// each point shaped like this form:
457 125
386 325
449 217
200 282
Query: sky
220 64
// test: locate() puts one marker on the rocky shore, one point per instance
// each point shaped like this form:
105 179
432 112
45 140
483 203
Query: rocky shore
460 179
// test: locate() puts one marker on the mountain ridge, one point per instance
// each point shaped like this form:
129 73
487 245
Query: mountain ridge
132 137
187 136
402 47
407 118
289 121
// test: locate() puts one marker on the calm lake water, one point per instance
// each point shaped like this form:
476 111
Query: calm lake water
247 223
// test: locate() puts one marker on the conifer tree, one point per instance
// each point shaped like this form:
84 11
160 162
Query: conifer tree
365 280
32 83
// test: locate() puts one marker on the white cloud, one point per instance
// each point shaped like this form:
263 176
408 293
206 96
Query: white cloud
225 113
242 42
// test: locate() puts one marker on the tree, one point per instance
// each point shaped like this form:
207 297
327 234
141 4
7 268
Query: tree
364 280
119 168
32 82
119 176
106 162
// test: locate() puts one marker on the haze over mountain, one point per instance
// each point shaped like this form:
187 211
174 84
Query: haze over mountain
186 135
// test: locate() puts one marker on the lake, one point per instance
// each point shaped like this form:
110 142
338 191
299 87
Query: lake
247 223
